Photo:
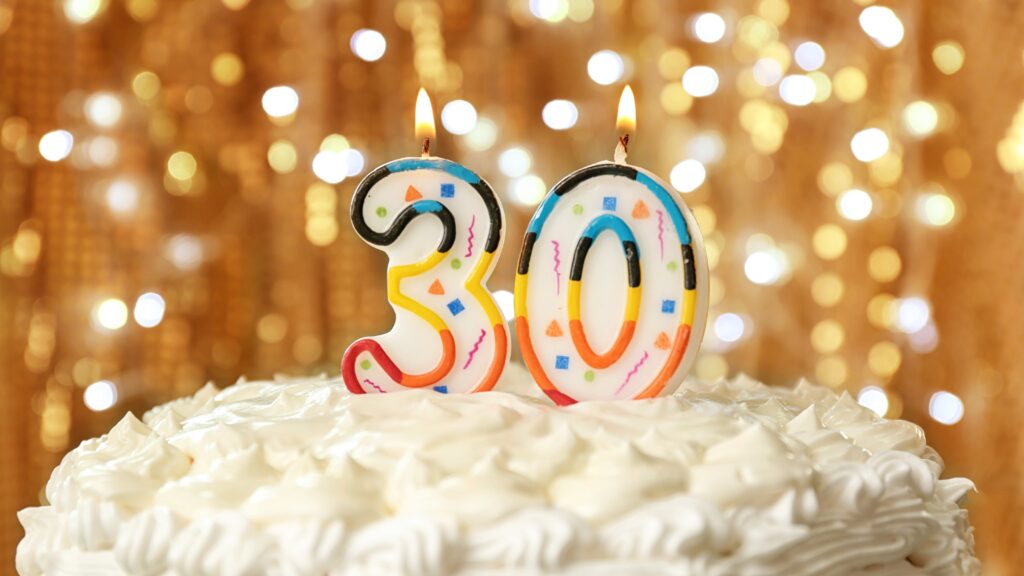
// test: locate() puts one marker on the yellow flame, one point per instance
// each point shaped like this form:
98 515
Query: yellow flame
424 116
626 122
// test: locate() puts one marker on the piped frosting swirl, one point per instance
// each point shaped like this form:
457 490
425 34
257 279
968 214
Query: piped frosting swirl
300 477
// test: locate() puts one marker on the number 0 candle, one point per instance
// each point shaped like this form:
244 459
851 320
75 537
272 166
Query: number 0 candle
611 289
442 229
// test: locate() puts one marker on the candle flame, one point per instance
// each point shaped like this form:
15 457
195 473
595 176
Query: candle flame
626 122
424 116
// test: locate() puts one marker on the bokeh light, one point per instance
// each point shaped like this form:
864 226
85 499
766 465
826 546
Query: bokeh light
700 81
103 151
553 11
184 251
687 175
528 190
100 396
854 204
560 114
946 408
875 399
282 156
869 144
103 109
149 310
122 197
827 290
767 72
514 162
829 241
458 117
884 359
884 264
920 118
809 56
606 67
706 147
729 327
110 314
882 25
912 314
368 45
797 90
708 27
850 84
767 266
506 302
948 57
280 101
483 135
354 160
330 166
182 165
83 11
935 209
56 145
227 69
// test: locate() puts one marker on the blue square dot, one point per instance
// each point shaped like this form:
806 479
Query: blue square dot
609 203
455 306
562 362
668 306
441 389
447 190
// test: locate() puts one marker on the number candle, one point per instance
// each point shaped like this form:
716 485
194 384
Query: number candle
442 228
618 231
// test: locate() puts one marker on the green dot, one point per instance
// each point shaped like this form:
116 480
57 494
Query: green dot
577 209
382 211
365 364
588 375
672 266
456 263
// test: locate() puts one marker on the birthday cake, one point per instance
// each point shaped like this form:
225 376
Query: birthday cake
303 477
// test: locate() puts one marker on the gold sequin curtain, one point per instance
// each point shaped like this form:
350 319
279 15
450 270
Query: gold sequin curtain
855 167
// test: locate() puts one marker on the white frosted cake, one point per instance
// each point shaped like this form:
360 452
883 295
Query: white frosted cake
302 477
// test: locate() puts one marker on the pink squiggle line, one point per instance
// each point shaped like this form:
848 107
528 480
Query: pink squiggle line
636 368
469 251
558 264
476 347
375 387
661 234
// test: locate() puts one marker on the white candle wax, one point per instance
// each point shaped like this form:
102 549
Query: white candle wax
442 228
612 287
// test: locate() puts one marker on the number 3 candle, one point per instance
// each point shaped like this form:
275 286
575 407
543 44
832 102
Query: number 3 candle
442 228
611 289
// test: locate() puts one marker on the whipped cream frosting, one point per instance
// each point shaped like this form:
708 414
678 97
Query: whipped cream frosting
297 477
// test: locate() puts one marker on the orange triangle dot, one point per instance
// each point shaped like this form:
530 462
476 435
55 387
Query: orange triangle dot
411 193
640 210
662 341
554 330
436 288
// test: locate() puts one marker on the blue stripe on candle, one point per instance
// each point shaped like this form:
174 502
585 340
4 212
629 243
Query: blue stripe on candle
666 199
424 206
609 222
447 166
670 205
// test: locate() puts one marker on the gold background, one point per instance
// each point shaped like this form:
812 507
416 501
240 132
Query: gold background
283 284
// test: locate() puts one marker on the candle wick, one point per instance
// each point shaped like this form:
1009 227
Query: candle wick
426 147
622 149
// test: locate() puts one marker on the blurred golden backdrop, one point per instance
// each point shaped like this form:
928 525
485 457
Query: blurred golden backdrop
175 176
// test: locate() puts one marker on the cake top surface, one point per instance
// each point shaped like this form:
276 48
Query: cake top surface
726 477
